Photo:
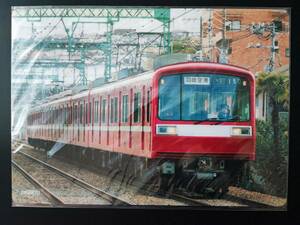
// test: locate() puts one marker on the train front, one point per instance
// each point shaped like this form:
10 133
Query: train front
204 119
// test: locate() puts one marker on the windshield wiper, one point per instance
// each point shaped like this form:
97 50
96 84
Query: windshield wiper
236 117
209 119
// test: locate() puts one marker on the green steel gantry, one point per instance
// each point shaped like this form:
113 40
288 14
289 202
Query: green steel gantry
112 15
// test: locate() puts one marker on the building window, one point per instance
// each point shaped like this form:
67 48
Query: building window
137 107
278 25
125 109
287 52
234 25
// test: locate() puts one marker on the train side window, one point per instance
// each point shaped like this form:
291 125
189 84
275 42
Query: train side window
116 110
137 107
81 113
66 114
103 110
90 112
125 109
112 110
70 116
86 113
62 114
96 103
148 106
75 114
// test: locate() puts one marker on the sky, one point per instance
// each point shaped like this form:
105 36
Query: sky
183 20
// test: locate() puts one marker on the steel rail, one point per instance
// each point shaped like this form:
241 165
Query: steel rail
100 193
51 197
250 203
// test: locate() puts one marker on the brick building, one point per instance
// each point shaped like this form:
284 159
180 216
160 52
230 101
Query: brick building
236 31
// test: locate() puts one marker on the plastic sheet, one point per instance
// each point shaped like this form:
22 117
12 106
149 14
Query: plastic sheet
102 99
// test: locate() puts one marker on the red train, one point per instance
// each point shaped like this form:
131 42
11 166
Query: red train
189 120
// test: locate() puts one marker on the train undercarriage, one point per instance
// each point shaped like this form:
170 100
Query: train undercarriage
195 177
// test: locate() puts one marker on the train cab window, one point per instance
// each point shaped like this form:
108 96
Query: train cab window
96 105
169 98
137 107
204 97
125 108
103 113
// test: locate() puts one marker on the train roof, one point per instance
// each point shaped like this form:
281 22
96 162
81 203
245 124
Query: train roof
133 79
107 86
208 64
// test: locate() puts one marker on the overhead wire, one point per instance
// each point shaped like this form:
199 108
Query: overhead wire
155 29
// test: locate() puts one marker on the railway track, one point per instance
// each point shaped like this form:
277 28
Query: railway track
53 199
57 201
227 201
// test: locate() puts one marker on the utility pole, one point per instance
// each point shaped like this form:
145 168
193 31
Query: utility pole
201 43
209 35
259 29
272 58
223 53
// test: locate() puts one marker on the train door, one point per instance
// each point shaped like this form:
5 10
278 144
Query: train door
100 120
75 123
85 122
136 127
95 120
124 125
116 120
103 128
70 123
130 117
88 126
143 118
112 121
92 115
60 123
51 123
108 120
66 124
79 121
81 118
147 122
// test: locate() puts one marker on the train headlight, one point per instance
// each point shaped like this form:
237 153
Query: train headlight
166 130
241 131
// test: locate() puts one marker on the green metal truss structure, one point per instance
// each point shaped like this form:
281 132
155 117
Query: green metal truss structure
37 13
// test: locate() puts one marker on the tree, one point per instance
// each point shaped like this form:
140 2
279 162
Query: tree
271 139
275 85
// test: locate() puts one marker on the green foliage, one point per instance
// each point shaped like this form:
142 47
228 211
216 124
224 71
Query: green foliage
276 85
183 47
269 170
